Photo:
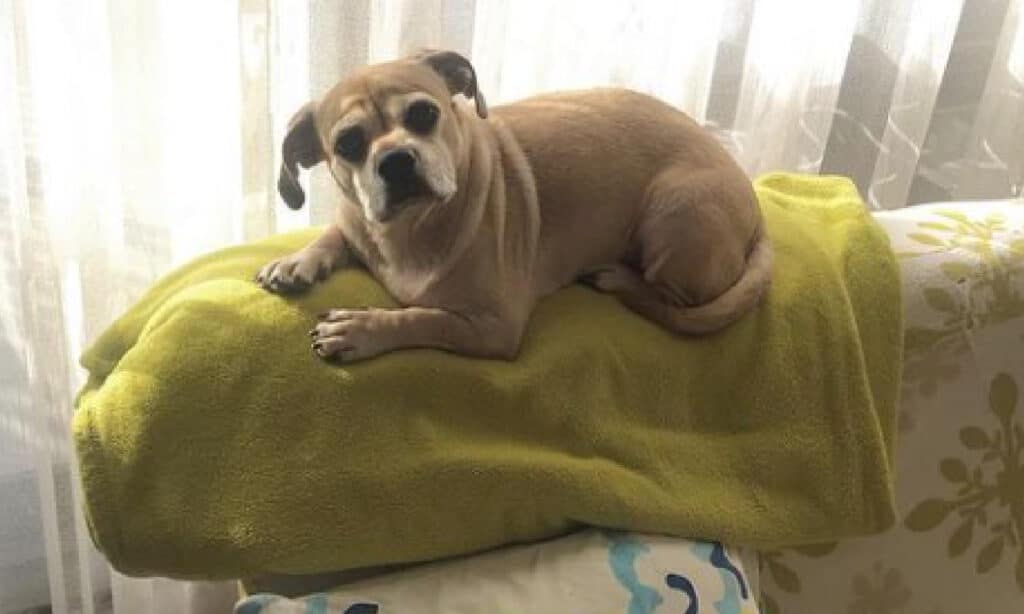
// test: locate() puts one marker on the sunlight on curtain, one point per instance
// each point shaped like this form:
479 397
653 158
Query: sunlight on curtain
926 45
288 71
197 64
786 102
628 44
995 150
137 135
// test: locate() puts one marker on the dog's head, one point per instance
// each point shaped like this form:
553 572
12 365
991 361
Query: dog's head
389 133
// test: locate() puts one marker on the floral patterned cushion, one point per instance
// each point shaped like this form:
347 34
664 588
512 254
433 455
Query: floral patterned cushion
590 572
960 453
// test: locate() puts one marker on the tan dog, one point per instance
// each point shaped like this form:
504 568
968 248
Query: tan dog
469 219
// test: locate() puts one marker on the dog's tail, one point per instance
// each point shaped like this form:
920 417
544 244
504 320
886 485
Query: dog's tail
727 307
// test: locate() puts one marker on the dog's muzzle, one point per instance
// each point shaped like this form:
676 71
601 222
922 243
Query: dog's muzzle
399 169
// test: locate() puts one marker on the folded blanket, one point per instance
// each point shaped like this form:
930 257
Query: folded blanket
213 443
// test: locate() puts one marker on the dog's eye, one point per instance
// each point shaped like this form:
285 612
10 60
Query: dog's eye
421 116
351 144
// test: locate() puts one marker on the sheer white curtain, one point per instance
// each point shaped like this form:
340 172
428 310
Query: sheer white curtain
136 135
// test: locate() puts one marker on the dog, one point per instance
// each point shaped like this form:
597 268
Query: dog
469 216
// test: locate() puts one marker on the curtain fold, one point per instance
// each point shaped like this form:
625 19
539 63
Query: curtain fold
137 135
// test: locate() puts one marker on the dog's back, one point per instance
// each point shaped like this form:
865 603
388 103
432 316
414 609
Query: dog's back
594 155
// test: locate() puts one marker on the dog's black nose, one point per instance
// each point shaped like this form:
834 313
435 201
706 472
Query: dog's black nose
397 167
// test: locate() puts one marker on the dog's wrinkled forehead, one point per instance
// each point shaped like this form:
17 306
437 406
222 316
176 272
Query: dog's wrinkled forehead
369 89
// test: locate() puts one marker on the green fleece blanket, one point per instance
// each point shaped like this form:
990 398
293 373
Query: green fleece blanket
213 443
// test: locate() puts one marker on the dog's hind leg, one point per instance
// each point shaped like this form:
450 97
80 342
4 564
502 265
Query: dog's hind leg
704 259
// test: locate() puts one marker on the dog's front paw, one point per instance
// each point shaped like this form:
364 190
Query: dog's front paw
297 272
348 335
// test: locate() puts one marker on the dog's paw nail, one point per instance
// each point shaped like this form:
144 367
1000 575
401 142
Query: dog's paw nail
313 332
316 345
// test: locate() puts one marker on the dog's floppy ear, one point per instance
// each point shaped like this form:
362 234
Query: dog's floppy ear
301 147
458 73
